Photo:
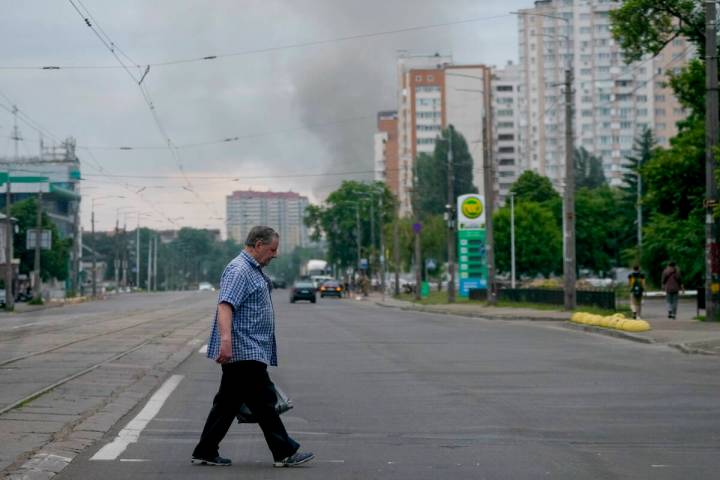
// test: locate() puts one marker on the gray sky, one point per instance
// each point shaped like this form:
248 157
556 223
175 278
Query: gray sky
302 110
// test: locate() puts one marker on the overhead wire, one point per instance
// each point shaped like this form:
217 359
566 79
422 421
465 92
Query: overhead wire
110 45
311 43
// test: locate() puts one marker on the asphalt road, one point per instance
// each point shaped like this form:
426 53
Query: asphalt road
62 368
387 394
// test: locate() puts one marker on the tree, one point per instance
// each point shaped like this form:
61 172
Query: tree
53 262
588 169
336 221
600 224
674 178
533 187
432 173
647 26
538 240
642 154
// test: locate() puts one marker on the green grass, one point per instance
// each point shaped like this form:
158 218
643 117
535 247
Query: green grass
440 298
36 301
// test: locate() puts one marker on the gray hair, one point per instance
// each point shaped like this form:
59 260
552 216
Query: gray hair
262 234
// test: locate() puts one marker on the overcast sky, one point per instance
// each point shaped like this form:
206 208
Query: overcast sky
299 93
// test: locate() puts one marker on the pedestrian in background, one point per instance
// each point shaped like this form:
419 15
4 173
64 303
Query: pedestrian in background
243 343
636 281
671 284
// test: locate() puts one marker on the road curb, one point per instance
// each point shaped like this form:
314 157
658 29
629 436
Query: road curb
483 315
690 350
608 332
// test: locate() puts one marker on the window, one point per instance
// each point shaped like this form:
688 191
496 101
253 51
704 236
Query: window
504 88
659 98
505 125
506 136
659 112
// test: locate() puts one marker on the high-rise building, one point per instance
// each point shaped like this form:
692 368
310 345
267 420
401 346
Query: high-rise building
432 94
386 151
613 101
283 211
507 134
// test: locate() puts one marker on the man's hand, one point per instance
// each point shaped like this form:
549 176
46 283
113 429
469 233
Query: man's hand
224 321
225 351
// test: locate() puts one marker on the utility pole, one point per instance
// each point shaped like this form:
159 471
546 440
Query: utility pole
569 199
149 263
38 236
639 213
712 260
9 283
124 255
94 253
382 244
155 257
358 235
371 256
137 254
489 186
396 245
512 240
417 227
116 260
450 217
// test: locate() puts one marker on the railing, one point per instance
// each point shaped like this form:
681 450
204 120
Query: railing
590 298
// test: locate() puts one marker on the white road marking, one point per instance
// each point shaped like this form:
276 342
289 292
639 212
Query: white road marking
134 460
132 431
203 350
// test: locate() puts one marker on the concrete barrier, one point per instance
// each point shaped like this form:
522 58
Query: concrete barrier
616 321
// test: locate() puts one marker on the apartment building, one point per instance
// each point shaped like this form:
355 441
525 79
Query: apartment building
613 102
386 151
432 94
283 211
507 134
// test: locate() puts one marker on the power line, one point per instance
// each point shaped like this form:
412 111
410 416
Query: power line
312 43
111 46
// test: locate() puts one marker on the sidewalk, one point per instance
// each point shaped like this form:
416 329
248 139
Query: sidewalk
683 333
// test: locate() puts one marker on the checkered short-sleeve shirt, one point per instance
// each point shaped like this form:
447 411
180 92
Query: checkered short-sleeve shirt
246 288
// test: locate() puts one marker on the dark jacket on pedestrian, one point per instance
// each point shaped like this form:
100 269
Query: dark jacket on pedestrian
671 282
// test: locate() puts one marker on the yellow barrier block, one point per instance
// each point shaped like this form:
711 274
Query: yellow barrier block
616 321
636 326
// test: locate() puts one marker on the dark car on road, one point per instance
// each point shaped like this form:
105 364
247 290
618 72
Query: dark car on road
302 290
331 288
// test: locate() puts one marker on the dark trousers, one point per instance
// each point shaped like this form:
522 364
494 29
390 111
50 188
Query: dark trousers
245 382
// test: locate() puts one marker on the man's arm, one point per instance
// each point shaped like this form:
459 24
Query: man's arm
224 320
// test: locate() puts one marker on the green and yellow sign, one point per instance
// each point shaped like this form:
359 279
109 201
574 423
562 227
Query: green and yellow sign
470 212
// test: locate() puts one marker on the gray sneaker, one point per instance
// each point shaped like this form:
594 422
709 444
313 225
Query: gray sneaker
217 461
298 458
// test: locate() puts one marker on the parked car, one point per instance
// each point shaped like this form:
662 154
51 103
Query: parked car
302 290
331 288
206 287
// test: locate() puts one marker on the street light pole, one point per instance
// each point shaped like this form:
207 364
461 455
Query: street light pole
94 252
451 217
38 284
512 240
569 199
712 267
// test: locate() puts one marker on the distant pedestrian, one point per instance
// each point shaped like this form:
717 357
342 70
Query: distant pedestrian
671 284
243 343
636 280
